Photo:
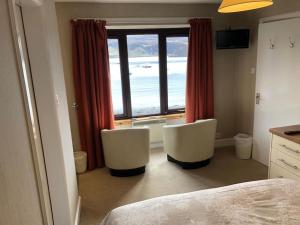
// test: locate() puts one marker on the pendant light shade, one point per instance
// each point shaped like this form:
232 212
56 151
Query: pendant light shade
231 6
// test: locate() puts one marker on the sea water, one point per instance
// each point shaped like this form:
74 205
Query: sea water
144 84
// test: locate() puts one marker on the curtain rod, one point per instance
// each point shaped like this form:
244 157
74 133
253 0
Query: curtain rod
145 21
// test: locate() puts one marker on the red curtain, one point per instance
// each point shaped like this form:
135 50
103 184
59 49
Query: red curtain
199 90
92 86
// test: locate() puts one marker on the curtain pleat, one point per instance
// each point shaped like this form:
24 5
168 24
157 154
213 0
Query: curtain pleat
199 90
92 86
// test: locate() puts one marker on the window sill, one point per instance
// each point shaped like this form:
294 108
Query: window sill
124 122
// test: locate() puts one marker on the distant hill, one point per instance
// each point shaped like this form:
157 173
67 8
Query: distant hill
147 46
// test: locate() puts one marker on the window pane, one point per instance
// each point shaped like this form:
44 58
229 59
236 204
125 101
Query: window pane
144 74
115 74
177 67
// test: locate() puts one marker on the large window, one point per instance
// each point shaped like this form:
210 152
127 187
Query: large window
148 71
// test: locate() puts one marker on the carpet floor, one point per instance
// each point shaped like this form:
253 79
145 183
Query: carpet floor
101 192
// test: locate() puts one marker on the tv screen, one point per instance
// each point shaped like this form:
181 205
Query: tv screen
230 39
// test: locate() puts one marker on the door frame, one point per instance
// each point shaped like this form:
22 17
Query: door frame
30 110
285 16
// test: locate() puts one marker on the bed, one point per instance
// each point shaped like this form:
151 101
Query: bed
275 201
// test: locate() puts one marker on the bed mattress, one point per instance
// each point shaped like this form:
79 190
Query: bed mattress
275 201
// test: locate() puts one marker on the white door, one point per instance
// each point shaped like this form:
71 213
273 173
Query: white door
277 82
24 193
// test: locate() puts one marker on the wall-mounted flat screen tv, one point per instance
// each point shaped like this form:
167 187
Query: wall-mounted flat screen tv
231 39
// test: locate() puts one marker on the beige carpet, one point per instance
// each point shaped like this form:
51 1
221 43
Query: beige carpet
101 192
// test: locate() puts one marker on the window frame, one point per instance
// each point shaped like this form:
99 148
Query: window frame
163 34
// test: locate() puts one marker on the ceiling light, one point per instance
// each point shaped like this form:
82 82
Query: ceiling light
231 6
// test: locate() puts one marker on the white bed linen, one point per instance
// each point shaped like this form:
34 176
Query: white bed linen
275 201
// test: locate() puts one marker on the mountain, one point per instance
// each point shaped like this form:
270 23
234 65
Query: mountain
147 46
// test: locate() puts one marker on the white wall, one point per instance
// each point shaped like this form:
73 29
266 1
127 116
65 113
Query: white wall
19 200
48 78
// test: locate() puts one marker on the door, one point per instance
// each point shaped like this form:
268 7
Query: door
24 190
277 82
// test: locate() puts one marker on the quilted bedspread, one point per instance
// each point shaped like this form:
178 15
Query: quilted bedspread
275 201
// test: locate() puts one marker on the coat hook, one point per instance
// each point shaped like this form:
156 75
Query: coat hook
272 46
292 43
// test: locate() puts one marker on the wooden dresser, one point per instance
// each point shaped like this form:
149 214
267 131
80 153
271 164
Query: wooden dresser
285 153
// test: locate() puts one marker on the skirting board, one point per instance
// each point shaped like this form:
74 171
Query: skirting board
155 145
78 209
220 143
226 142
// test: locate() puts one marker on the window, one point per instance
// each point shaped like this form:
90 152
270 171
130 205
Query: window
148 71
177 67
144 74
115 74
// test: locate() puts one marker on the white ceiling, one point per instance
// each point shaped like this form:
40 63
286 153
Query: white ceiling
144 1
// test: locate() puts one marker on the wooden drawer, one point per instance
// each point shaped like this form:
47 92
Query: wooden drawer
286 146
279 172
285 161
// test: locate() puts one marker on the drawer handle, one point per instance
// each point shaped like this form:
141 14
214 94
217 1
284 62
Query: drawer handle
280 177
290 149
288 164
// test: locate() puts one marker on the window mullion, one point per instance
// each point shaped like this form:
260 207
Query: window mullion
163 73
125 76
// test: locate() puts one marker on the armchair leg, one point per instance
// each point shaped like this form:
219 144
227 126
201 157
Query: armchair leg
189 165
127 173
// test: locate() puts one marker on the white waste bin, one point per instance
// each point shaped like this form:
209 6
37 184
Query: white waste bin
80 161
243 146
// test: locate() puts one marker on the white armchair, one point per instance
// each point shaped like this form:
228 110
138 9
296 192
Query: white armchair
190 145
126 151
